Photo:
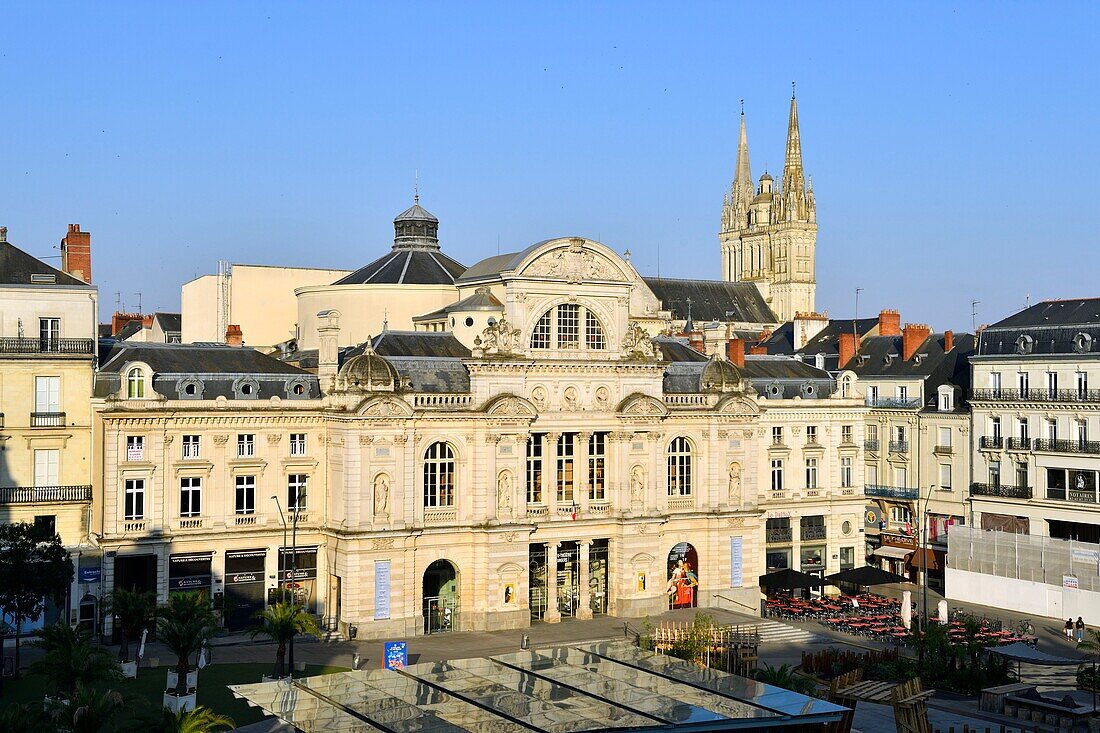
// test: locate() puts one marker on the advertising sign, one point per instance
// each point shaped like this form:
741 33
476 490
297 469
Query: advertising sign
382 589
395 655
90 575
736 562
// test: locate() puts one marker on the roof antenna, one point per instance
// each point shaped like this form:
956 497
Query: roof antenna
139 301
974 316
856 319
658 260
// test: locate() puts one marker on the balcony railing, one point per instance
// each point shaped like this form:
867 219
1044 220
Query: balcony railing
780 534
1017 444
813 532
943 449
991 442
1000 490
899 446
44 494
14 345
894 402
890 492
1068 446
870 445
47 419
1036 395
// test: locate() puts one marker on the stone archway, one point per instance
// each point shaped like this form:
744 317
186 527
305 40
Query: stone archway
440 587
683 578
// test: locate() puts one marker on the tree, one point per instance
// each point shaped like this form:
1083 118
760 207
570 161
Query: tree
280 623
89 711
33 570
26 719
200 720
133 611
71 662
185 624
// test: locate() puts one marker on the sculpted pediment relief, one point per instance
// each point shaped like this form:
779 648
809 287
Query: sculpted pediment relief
385 407
574 263
510 406
737 405
642 405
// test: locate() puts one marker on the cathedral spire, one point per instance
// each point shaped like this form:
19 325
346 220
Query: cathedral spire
793 177
743 185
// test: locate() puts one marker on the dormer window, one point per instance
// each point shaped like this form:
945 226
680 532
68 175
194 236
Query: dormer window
246 388
190 389
946 399
135 384
1082 343
1024 344
819 361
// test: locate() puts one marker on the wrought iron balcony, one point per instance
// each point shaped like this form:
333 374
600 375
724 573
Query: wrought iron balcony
1036 395
1017 444
991 442
1000 490
779 534
44 494
47 419
896 403
813 532
891 492
943 449
15 345
1068 446
899 446
870 445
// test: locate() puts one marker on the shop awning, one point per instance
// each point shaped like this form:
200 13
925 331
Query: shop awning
897 553
925 557
866 575
1021 652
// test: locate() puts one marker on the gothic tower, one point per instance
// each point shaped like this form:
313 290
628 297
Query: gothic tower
769 234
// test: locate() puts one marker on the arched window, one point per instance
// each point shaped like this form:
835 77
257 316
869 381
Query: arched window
679 467
846 387
560 327
439 476
135 384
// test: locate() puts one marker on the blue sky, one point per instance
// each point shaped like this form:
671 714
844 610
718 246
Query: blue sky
953 150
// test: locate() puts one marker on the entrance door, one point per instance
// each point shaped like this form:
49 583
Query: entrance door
568 579
440 598
536 594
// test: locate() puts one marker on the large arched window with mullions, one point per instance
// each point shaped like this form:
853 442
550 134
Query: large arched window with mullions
569 326
439 476
679 467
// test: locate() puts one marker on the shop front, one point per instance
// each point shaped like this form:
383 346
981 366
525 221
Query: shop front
244 587
577 566
812 562
190 572
298 576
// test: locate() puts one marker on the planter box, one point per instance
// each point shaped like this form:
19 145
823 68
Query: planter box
129 670
173 679
176 703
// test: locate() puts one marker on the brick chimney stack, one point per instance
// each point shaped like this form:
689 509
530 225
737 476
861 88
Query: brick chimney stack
849 345
3 234
889 323
234 336
736 351
915 335
948 341
698 341
758 350
76 253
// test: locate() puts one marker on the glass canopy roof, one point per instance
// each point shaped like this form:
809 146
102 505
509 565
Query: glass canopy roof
591 687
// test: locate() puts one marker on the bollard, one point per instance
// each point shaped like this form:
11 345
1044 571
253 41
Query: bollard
525 642
355 660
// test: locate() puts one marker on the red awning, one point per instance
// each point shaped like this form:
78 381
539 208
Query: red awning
927 556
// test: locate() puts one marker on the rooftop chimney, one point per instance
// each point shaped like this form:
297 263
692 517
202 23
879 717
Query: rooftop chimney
234 336
849 345
119 319
736 351
915 335
948 341
889 323
758 350
3 234
697 341
76 253
807 326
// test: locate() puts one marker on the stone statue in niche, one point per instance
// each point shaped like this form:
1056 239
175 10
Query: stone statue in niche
637 484
504 491
381 493
735 484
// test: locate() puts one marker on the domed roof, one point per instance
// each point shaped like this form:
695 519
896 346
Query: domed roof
720 375
766 177
416 212
368 372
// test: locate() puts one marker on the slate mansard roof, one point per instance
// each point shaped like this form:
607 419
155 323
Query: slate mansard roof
19 268
711 300
1052 327
214 370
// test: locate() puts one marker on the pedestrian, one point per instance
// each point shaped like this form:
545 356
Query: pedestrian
1080 625
1069 628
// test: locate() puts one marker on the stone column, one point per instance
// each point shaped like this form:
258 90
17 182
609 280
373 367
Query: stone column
580 471
553 615
550 473
584 606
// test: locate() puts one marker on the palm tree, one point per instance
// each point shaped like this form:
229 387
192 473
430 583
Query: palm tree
785 677
281 623
134 611
71 662
1092 645
89 711
200 720
26 719
185 624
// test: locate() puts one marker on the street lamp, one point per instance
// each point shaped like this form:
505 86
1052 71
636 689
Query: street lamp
280 564
924 557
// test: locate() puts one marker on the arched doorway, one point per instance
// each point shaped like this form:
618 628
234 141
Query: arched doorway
440 597
683 577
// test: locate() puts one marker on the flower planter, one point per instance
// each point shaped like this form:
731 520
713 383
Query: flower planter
177 703
129 670
173 679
